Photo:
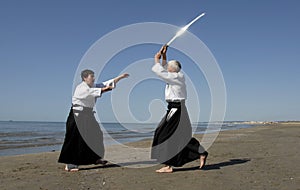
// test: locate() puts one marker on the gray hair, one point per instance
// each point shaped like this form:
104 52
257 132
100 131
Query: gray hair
85 73
175 65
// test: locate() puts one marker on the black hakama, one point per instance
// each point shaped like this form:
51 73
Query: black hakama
173 144
83 144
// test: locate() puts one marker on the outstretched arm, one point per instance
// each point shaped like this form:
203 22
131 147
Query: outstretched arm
111 84
118 78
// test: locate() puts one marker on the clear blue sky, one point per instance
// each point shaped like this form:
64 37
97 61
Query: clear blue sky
256 44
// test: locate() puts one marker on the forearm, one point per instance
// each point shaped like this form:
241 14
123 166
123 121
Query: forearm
164 59
106 89
118 78
162 53
157 58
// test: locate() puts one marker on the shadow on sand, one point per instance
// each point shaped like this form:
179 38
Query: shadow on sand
216 166
111 165
100 167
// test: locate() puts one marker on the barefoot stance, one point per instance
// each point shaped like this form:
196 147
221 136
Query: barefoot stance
202 160
71 168
166 169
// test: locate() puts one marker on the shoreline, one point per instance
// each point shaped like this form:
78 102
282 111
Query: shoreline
264 157
56 146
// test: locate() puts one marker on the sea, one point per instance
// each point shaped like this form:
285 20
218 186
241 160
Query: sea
26 137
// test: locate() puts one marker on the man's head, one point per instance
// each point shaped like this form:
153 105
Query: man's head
174 66
88 77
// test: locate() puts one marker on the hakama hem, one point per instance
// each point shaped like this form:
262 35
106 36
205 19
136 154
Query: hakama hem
173 143
75 150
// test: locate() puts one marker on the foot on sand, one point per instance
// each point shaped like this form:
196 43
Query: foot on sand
71 168
203 159
166 169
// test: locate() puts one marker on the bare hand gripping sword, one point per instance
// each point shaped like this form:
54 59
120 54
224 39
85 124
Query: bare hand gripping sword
183 29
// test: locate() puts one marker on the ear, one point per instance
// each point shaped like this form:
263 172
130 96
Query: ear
84 79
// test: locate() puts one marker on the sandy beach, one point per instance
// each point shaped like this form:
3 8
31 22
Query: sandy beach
264 157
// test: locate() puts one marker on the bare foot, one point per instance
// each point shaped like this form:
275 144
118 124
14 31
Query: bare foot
203 159
71 168
166 169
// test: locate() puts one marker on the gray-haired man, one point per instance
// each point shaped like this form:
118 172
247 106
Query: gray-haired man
173 144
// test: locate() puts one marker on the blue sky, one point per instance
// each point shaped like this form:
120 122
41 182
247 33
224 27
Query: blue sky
256 44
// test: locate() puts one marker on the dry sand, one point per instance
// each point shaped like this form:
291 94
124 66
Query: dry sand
265 157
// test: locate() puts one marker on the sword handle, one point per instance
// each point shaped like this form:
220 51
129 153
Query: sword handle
161 51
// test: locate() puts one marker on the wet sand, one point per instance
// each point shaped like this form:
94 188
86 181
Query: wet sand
265 157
